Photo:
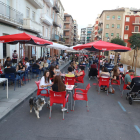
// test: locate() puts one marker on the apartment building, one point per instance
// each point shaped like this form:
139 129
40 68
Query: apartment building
68 29
96 36
89 33
131 24
113 24
83 36
75 40
92 34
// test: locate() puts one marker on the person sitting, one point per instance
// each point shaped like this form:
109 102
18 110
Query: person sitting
21 67
58 86
8 59
41 58
45 82
81 73
127 78
94 65
36 65
45 64
104 74
70 74
52 72
57 70
32 60
116 73
122 70
27 64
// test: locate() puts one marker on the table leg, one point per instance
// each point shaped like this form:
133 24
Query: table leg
71 100
7 88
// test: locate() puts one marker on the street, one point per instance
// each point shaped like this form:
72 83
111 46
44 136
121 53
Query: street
109 118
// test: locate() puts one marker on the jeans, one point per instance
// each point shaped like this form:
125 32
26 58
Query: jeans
44 91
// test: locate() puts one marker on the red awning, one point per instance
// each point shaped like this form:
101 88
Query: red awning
102 46
24 38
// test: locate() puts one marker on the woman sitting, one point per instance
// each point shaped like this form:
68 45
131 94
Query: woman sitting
52 72
59 86
116 73
57 70
104 74
21 67
70 74
81 73
122 69
45 82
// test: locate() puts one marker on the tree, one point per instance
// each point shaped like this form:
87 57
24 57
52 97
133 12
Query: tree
134 40
118 41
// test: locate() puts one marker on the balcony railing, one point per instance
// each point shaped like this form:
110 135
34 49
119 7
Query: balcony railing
56 8
10 16
49 2
54 37
31 25
47 20
136 22
55 23
37 3
136 31
100 30
66 21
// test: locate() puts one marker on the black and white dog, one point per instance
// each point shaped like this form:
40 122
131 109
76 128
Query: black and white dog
37 104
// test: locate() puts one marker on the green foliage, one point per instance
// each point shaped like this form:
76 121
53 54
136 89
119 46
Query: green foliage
118 41
134 40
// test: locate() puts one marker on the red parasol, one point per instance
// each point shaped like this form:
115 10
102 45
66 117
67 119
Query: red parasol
24 38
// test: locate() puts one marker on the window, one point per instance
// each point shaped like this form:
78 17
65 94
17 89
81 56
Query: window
117 34
112 25
126 36
107 26
108 17
127 19
28 12
112 34
4 50
106 35
126 27
113 17
33 15
118 26
137 19
119 17
136 28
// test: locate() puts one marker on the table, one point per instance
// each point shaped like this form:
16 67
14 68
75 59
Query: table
70 88
63 75
3 80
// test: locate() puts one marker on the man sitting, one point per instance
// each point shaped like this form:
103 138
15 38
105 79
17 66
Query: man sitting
36 65
70 74
94 65
127 78
9 70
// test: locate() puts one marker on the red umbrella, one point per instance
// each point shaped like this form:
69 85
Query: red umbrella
102 46
24 38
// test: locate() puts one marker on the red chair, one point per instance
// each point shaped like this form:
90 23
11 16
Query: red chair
81 95
80 79
39 90
58 98
104 82
116 82
124 88
70 80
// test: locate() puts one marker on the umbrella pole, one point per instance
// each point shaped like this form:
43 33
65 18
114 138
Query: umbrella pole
99 64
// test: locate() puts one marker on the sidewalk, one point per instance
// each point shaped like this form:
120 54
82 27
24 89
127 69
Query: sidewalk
18 96
137 70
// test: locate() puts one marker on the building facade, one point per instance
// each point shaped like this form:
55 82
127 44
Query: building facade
68 29
83 36
89 33
75 40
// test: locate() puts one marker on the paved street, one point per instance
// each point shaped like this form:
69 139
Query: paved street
109 118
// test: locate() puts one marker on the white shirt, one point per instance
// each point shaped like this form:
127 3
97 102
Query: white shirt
119 56
27 64
110 56
113 56
42 82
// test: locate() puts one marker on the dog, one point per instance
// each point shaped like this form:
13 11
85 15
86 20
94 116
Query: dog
36 104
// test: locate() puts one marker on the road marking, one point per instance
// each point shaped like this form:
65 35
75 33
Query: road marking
137 128
121 106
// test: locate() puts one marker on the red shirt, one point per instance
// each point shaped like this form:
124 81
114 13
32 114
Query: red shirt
94 66
1 71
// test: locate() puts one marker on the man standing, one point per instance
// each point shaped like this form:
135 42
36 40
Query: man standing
111 58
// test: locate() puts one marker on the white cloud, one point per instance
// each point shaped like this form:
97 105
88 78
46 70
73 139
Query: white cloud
86 11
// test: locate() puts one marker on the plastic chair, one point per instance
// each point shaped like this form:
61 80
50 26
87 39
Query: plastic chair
81 95
104 82
58 98
36 71
12 77
117 82
80 79
70 80
124 88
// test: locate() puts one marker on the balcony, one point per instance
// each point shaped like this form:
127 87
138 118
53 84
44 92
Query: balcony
31 25
56 8
66 28
136 31
67 36
37 3
49 2
136 23
100 30
61 40
47 20
10 16
54 37
66 21
55 23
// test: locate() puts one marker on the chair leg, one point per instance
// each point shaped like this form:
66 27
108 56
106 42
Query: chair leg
122 93
63 114
73 105
87 107
67 107
50 112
